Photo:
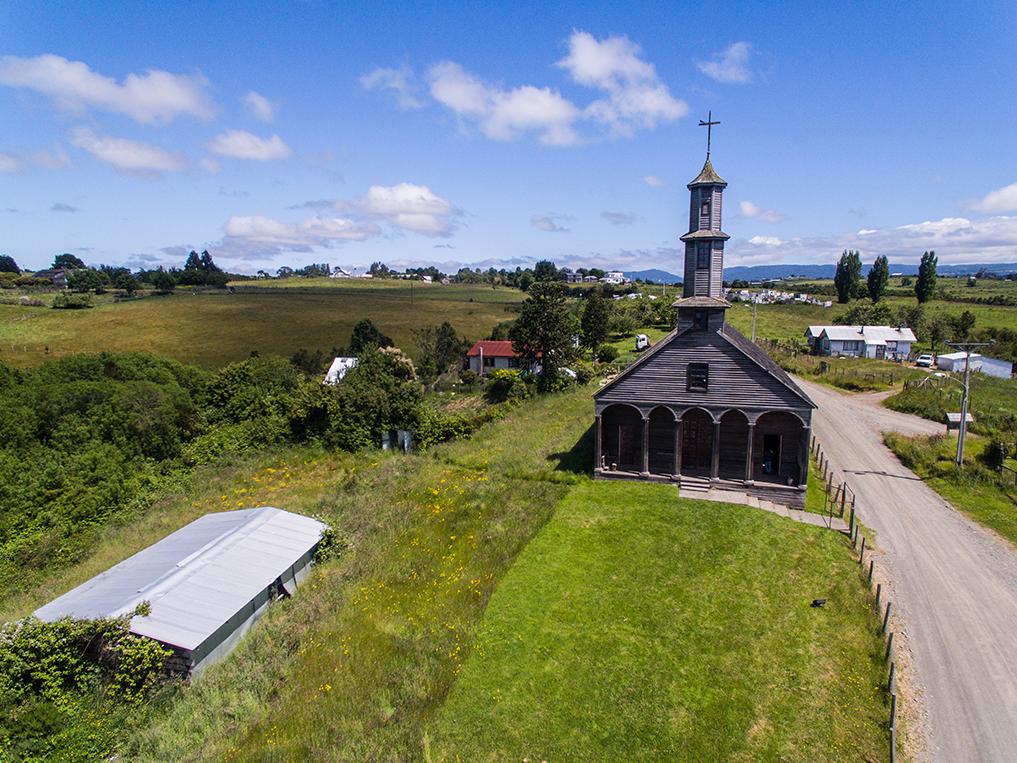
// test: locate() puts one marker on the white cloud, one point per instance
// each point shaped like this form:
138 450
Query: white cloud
400 81
410 207
653 181
620 219
765 241
637 98
241 144
127 155
259 106
999 201
730 66
548 223
314 231
53 159
154 97
505 114
753 211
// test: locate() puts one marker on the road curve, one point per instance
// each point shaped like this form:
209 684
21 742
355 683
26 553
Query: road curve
954 583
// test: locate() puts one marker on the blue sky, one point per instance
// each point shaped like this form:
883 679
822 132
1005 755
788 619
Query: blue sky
281 134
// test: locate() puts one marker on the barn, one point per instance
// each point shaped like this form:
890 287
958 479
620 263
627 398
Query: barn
206 583
706 407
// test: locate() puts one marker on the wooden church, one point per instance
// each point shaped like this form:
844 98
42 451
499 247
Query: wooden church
705 406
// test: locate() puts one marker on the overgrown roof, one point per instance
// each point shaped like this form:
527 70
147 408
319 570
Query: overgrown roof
708 176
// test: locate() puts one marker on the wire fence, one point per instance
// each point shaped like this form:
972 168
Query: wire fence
840 499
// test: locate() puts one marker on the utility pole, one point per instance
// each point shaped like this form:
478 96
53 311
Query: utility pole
753 318
966 348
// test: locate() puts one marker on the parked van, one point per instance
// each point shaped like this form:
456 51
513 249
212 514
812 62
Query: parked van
642 342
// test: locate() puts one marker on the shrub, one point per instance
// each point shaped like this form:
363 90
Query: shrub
67 301
466 376
505 384
584 372
995 454
607 354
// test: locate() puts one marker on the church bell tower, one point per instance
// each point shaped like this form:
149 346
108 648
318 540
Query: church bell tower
702 304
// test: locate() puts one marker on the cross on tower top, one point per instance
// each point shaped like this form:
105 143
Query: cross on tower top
708 124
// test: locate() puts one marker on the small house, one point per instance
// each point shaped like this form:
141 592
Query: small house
491 355
954 361
205 584
338 370
861 341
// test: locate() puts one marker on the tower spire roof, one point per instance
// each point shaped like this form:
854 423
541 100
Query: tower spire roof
708 176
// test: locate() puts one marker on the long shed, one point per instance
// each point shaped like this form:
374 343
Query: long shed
206 583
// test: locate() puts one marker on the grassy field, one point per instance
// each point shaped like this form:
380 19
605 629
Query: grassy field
641 626
214 328
993 403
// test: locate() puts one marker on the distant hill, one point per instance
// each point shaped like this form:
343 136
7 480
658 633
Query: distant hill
776 272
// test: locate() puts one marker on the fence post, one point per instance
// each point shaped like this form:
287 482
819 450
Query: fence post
879 590
861 554
851 523
893 728
892 677
886 619
872 563
889 646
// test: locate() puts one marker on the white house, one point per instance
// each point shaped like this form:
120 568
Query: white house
339 368
615 277
340 273
205 584
861 341
491 355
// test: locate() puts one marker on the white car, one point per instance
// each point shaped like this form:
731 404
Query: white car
642 342
924 361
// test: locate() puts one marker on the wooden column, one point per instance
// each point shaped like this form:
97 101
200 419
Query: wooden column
715 460
803 457
678 447
646 446
749 476
598 452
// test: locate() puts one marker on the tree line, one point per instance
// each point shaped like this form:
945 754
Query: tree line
848 282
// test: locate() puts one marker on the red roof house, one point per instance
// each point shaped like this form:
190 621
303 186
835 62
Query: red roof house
492 354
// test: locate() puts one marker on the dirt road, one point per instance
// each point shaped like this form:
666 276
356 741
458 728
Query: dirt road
954 583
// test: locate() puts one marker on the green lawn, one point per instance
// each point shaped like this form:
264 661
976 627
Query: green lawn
638 626
215 328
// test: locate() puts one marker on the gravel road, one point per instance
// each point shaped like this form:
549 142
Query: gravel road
954 583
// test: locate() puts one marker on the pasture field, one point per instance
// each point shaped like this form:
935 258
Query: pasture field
214 328
651 622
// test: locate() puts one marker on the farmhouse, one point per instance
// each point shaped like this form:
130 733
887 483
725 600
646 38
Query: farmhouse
705 404
861 341
206 583
491 355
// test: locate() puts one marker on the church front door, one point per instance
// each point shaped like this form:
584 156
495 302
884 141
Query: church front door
697 442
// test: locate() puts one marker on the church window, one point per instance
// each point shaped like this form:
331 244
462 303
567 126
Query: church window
698 377
703 255
699 320
704 210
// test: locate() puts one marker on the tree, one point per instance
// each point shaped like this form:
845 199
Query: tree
595 321
546 330
440 349
207 264
379 270
525 280
85 279
879 277
193 261
938 331
545 270
848 276
925 286
8 265
962 324
163 282
367 336
68 261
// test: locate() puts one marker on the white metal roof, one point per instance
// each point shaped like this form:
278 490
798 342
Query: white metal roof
338 369
871 334
958 356
196 578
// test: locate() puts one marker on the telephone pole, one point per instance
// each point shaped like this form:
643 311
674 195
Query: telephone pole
966 348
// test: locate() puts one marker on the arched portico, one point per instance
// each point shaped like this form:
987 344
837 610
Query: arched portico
780 448
662 427
621 438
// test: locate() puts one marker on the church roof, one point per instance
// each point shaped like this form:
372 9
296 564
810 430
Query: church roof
708 176
706 233
737 340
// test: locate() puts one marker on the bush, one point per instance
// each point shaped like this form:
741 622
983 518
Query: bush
584 372
995 454
466 376
67 301
607 354
505 384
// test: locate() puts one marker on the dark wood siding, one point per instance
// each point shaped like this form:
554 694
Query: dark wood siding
735 380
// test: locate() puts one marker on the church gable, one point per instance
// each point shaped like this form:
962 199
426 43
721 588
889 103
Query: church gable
704 369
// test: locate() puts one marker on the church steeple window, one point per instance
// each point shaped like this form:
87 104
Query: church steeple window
702 255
